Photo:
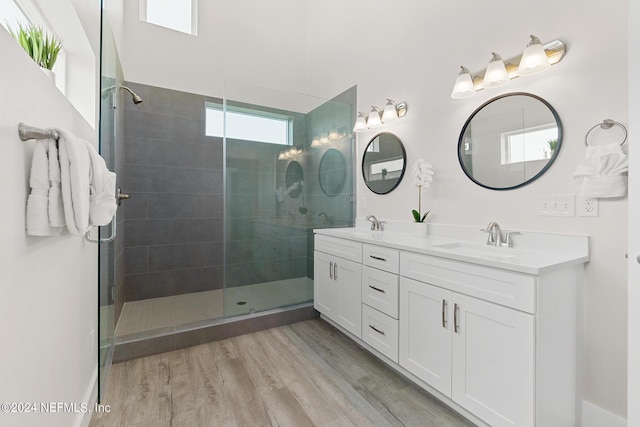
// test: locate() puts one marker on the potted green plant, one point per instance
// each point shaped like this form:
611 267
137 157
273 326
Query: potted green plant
553 144
40 46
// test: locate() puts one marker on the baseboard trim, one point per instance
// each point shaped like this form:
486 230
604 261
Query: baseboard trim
595 416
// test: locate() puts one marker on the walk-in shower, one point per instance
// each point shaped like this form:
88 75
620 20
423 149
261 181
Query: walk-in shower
225 194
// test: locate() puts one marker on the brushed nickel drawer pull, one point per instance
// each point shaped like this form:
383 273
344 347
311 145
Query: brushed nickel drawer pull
456 327
377 258
335 271
331 270
377 289
377 330
444 309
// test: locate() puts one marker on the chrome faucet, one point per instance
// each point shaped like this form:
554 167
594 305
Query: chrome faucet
495 235
327 218
375 224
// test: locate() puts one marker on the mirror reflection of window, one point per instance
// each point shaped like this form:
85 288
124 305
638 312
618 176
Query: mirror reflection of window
389 169
526 145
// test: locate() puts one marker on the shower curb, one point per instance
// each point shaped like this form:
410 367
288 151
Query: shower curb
179 339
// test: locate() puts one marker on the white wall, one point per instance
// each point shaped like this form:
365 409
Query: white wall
48 286
411 51
258 42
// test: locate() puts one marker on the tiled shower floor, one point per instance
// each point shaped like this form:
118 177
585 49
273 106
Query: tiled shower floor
168 312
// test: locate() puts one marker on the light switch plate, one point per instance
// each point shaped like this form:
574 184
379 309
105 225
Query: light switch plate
556 205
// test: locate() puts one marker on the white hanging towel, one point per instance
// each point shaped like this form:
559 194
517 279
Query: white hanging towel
56 211
88 187
604 171
102 201
38 223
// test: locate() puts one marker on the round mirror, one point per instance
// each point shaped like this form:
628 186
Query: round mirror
332 172
383 163
509 141
293 176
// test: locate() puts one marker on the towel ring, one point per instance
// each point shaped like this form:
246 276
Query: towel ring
607 124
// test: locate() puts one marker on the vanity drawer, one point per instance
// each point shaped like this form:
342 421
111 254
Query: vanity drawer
380 332
342 248
502 287
382 258
380 290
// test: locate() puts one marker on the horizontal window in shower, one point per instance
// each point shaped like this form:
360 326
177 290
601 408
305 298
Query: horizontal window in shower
247 124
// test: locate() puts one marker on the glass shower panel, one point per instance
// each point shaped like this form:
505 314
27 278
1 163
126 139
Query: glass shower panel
110 254
271 207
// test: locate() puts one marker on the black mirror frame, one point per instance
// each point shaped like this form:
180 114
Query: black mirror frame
404 166
536 176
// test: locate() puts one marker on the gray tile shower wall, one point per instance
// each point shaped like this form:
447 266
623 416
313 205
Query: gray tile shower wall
174 174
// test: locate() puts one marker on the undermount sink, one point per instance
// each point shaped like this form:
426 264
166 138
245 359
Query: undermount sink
483 251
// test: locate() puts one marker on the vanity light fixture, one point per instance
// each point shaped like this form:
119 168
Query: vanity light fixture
463 88
392 111
292 151
361 123
374 119
535 59
496 73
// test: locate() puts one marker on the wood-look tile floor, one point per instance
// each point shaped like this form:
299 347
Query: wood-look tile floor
303 374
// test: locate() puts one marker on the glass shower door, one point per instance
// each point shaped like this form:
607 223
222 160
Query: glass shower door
272 200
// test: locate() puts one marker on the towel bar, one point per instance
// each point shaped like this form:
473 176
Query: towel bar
607 124
27 132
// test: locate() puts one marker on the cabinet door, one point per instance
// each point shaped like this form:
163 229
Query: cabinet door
347 295
493 362
425 333
324 287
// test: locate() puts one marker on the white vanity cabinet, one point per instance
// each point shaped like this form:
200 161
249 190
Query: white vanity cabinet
337 275
479 354
380 299
497 338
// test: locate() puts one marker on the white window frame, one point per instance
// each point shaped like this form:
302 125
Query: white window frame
194 17
255 113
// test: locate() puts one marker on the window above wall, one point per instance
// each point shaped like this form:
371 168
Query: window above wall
178 15
248 124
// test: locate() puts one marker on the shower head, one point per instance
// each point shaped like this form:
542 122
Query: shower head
106 91
136 99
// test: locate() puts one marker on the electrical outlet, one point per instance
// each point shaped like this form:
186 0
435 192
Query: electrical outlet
556 205
587 206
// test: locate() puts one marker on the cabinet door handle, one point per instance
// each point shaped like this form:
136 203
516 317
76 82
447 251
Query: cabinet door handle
456 327
377 289
335 271
444 309
331 270
378 258
377 330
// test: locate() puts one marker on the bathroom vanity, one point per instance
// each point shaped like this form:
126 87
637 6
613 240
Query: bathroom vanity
494 332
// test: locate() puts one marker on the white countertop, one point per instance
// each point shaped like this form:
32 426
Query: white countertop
532 252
